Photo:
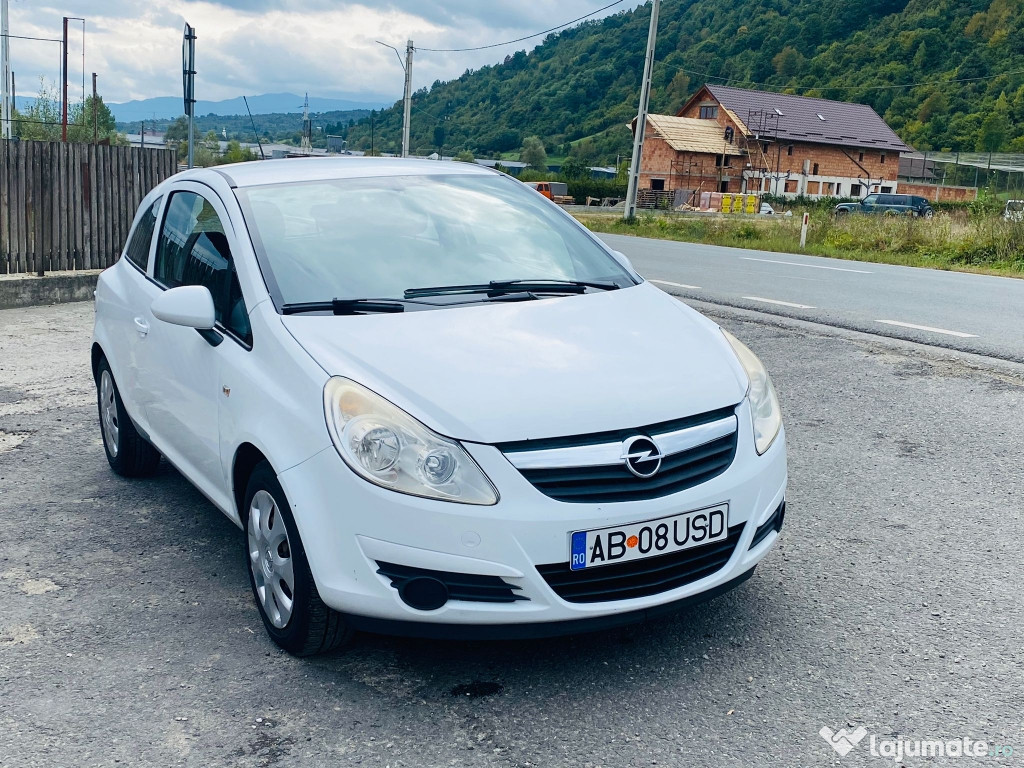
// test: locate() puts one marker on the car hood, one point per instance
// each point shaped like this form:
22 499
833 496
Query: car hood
497 372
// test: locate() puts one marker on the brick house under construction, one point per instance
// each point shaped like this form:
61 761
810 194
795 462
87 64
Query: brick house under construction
735 140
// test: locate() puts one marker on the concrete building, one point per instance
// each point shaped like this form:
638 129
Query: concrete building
735 140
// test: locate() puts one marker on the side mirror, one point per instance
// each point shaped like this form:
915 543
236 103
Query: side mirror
188 305
623 259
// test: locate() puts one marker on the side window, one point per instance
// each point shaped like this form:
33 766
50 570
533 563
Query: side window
871 200
193 250
138 247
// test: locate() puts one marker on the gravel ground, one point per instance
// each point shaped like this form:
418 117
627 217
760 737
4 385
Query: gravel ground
128 634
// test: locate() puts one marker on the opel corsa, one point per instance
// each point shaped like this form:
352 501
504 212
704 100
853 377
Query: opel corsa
433 402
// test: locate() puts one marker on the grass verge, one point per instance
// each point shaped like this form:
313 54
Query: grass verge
984 244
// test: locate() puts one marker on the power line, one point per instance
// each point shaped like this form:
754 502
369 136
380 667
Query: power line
528 37
43 39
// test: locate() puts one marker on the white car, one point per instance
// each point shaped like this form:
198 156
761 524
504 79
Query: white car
433 402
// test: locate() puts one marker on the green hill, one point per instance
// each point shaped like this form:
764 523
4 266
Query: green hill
945 74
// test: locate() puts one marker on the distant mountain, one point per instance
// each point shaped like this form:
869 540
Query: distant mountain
163 107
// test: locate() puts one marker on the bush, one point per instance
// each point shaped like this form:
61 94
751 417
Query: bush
581 189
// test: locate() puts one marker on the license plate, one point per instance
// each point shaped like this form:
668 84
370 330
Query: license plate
636 541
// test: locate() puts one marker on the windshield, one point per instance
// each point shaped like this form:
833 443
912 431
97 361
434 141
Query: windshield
377 237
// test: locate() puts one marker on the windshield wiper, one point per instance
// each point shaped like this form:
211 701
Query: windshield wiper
499 287
344 306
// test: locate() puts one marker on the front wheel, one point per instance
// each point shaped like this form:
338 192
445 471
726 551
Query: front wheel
128 452
294 615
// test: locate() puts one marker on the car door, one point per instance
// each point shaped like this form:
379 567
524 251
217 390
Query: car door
182 365
869 203
127 302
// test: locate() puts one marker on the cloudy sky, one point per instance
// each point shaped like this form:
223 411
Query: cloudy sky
325 47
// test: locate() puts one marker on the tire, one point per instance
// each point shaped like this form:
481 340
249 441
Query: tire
128 452
274 552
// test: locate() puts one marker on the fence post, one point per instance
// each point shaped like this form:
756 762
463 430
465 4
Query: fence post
803 231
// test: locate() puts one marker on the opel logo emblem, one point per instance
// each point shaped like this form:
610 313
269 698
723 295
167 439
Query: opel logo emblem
642 456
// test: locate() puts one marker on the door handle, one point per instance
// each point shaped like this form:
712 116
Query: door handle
141 326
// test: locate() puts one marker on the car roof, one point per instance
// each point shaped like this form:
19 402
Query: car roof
285 170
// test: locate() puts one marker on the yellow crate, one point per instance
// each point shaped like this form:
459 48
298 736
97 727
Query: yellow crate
726 203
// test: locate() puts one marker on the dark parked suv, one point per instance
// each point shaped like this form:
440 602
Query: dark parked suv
888 205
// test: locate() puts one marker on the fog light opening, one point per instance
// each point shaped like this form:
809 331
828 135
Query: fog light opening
423 593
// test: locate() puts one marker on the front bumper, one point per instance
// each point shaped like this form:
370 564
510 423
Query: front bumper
349 526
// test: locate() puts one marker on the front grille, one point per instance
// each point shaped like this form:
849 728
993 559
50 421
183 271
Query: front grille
773 523
461 586
640 578
616 483
552 466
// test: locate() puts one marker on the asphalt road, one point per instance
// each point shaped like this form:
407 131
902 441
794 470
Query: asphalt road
975 313
128 635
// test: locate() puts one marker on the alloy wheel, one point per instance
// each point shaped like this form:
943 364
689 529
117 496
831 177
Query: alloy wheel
108 412
270 558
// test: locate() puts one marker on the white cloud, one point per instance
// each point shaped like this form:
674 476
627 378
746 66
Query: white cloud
265 46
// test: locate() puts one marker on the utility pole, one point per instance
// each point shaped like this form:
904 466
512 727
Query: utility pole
407 98
5 73
95 112
641 118
306 142
64 86
407 110
188 54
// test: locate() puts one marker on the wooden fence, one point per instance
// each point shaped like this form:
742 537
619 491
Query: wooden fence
70 206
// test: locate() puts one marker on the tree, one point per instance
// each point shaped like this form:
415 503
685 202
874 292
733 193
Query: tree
574 168
82 116
585 151
534 154
236 154
176 136
439 137
936 104
42 121
788 61
995 128
465 156
677 91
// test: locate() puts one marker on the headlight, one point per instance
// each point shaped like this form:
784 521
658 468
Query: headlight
764 404
388 447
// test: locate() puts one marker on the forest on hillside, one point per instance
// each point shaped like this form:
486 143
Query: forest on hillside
945 74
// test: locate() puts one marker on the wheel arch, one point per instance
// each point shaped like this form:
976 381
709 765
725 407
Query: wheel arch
96 355
247 458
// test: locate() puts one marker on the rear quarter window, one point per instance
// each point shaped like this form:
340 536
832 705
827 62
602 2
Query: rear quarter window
137 251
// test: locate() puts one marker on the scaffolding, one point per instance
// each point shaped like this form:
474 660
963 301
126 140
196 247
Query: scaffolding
692 170
761 134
